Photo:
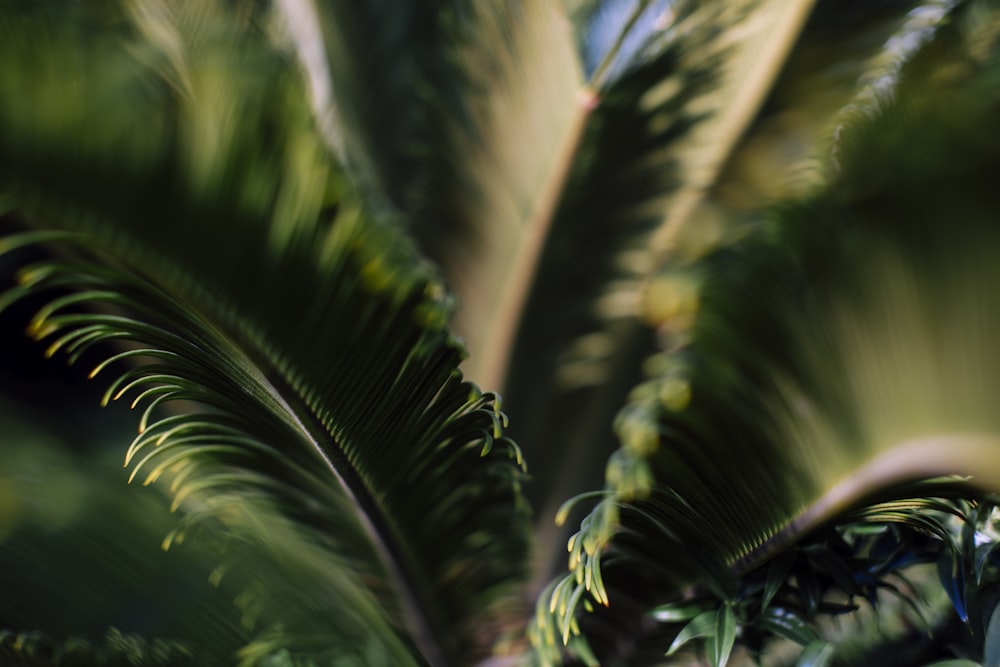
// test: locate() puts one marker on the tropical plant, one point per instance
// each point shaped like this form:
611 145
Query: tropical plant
732 265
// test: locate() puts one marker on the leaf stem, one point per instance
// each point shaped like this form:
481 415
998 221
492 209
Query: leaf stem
597 80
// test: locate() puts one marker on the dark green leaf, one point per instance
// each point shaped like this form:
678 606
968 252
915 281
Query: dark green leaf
810 589
820 354
951 571
720 643
835 567
786 624
777 573
323 419
681 611
703 625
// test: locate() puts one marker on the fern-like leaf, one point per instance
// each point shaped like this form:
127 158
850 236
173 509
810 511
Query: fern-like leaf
842 350
209 239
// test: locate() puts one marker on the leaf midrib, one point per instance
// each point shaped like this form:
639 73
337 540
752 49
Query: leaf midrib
415 602
917 459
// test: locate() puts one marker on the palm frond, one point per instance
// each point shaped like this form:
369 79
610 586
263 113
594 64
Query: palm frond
505 157
494 100
372 68
631 166
512 165
333 429
843 349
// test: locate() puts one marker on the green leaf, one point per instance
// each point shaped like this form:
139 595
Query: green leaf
681 611
810 589
817 359
951 571
702 625
720 643
301 392
777 572
816 654
787 624
635 157
835 567
225 190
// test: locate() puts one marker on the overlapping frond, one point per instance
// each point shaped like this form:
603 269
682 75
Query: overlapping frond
536 163
505 157
843 348
464 117
653 98
201 234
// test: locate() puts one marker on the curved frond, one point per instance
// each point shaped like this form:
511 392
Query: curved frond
846 347
215 250
536 162
581 323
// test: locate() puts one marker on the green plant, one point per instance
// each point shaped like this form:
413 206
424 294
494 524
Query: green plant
254 218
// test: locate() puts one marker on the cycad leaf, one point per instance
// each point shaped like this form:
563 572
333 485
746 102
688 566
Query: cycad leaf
633 166
508 151
760 45
205 223
494 101
532 185
579 347
843 349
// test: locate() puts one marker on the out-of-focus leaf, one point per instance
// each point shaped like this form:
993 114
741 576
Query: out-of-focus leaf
823 355
680 611
951 571
816 654
785 623
702 625
810 590
985 556
830 564
203 225
720 643
777 572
